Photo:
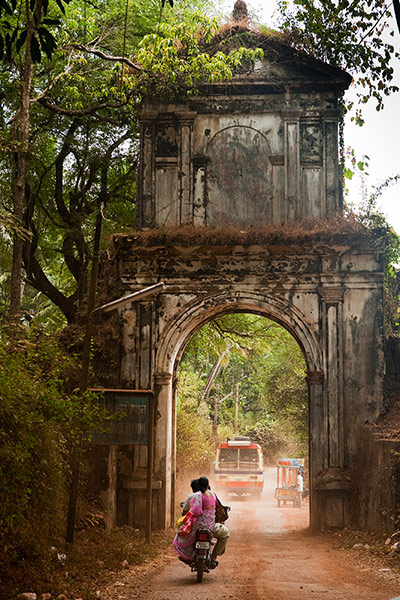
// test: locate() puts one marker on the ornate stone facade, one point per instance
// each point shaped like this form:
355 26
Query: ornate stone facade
260 150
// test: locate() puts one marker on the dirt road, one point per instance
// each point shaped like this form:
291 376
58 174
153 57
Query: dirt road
270 556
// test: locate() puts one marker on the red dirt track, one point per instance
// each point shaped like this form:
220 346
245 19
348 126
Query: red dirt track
270 556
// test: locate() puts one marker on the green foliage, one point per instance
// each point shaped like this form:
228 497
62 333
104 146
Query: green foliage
387 244
349 35
266 363
179 56
272 439
356 166
16 33
194 433
39 424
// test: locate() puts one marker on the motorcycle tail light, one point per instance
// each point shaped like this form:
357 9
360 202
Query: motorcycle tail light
203 536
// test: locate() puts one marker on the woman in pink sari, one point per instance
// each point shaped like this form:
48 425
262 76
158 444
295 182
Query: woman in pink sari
202 506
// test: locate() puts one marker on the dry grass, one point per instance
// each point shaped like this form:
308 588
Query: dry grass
92 562
338 229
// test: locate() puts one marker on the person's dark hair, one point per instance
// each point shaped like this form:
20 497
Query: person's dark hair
204 484
195 485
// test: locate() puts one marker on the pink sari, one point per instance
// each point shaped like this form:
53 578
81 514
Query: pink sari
203 508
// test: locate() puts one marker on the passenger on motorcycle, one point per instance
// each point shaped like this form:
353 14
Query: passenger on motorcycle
202 506
195 488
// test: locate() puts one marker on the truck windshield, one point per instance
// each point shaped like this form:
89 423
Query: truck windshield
249 455
239 457
228 455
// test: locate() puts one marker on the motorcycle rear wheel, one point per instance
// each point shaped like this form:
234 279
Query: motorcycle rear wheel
200 569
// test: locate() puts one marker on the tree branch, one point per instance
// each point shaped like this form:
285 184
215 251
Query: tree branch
104 56
77 112
53 82
37 278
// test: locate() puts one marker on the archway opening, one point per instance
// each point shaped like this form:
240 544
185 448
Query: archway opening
243 375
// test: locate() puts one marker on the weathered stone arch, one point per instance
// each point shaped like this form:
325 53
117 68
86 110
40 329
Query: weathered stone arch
328 296
196 313
236 237
181 327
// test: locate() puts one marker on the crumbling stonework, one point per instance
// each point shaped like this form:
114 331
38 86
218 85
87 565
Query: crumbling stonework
377 482
329 296
260 150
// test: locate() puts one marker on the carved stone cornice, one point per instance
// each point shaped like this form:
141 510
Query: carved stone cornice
162 378
331 294
186 116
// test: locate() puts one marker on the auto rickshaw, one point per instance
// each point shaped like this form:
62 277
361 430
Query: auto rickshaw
286 483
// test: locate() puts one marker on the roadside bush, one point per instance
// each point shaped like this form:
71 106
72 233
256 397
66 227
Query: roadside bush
271 439
193 441
39 424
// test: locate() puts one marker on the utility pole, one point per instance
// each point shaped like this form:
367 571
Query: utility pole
217 401
215 420
235 420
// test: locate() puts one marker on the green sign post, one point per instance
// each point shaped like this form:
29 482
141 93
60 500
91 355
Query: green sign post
131 410
133 424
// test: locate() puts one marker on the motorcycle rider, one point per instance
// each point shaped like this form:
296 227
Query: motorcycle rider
195 488
202 506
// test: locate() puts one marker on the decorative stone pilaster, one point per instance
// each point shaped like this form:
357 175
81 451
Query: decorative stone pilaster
317 440
292 166
164 455
331 312
146 171
185 120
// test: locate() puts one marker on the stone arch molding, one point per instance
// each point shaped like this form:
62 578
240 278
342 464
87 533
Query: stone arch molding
237 126
195 314
173 339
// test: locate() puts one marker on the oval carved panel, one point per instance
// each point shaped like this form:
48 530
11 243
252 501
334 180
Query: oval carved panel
238 178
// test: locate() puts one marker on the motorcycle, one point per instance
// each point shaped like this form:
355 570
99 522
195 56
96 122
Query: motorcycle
201 562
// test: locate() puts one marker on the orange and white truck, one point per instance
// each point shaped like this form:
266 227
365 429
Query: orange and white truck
239 467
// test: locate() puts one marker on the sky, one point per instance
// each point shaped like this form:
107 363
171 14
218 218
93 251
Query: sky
379 138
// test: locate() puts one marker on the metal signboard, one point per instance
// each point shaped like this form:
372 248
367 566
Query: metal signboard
131 410
292 463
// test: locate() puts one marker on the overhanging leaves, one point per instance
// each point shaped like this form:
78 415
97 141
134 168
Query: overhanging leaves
47 41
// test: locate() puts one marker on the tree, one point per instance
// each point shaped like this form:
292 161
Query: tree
348 34
194 435
263 383
32 125
23 37
80 130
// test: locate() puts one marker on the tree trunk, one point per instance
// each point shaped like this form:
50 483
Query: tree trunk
22 139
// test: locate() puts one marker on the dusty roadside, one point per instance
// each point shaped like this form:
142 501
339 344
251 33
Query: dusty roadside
271 556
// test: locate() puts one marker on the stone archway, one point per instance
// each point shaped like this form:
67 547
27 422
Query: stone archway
229 182
328 295
181 327
193 316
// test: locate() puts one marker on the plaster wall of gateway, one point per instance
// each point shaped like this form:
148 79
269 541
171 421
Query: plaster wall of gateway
260 150
328 296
